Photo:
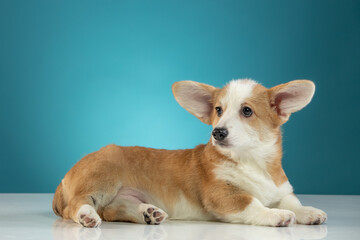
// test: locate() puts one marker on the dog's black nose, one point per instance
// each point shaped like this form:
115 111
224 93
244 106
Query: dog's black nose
220 133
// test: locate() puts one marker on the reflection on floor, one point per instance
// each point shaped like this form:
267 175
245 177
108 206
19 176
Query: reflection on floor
29 216
185 230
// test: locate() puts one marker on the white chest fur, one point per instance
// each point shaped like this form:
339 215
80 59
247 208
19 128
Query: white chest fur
253 179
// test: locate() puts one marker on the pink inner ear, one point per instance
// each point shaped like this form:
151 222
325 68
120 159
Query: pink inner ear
205 100
293 97
195 99
280 97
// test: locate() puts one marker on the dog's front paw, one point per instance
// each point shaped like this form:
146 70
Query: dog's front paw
280 217
310 216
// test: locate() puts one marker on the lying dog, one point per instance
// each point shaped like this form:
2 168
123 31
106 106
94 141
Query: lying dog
236 177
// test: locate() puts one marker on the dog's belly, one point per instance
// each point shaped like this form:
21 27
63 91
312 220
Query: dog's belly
255 181
183 209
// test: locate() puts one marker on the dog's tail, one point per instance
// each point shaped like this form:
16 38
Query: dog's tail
59 203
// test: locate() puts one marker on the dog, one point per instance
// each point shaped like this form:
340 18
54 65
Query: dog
237 177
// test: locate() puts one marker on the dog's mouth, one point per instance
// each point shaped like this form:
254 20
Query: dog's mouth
221 143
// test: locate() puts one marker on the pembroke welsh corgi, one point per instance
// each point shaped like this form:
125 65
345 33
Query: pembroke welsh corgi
236 177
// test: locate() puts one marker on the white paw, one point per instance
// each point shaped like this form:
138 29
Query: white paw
279 217
310 216
151 214
88 217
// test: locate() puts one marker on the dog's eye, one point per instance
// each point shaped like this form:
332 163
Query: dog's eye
218 111
247 112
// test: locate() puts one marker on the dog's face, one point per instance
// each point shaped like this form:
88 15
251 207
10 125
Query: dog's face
245 115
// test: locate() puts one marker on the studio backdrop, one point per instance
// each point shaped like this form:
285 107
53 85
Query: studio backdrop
78 75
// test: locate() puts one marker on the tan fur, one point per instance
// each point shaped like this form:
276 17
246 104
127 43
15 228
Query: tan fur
167 174
215 190
265 115
274 167
58 203
217 95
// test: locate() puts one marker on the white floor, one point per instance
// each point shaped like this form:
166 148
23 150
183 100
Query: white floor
29 216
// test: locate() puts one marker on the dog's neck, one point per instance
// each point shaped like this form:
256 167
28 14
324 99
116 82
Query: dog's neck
267 158
262 153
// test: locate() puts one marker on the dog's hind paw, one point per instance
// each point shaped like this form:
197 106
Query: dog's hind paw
151 214
88 217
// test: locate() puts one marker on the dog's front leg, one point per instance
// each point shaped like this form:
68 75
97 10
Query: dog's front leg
229 205
304 215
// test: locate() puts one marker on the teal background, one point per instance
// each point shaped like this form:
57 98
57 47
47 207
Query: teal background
78 75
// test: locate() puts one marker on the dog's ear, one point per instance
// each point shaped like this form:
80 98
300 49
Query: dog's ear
291 97
196 98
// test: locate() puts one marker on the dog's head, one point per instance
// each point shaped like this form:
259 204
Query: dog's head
244 114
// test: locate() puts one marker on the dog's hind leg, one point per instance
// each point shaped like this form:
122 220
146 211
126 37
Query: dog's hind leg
130 205
84 206
91 185
82 210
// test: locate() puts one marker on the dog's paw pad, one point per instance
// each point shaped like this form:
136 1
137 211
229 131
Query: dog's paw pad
156 214
152 215
310 216
280 218
88 217
286 221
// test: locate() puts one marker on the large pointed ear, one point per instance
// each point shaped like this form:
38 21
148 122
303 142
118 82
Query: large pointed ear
196 98
291 97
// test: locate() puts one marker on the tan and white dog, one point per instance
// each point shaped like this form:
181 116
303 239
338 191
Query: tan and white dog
236 177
